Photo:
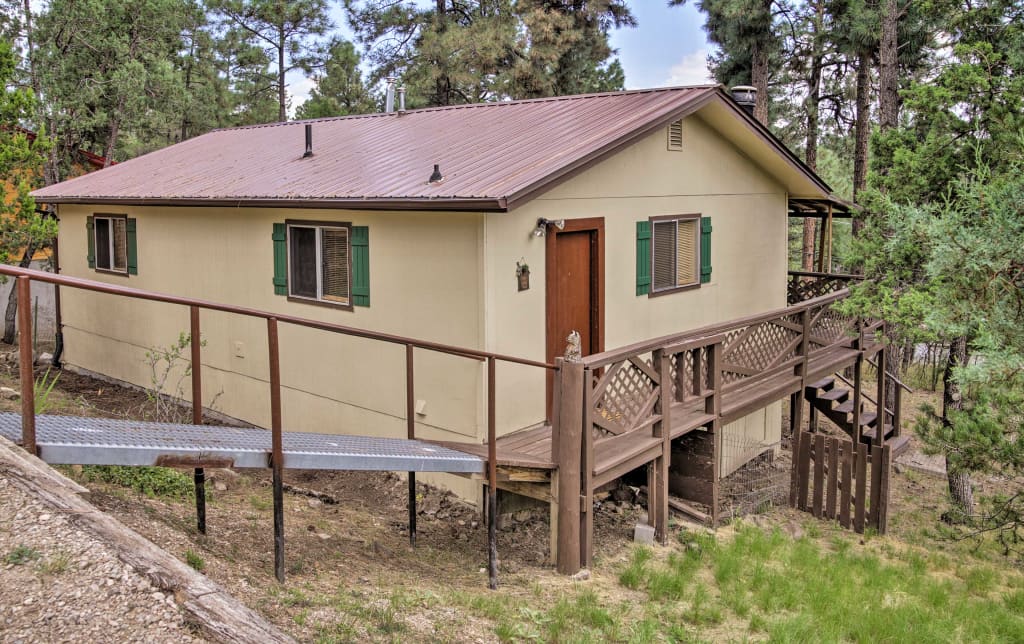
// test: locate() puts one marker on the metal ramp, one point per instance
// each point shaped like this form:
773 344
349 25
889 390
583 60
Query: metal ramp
102 441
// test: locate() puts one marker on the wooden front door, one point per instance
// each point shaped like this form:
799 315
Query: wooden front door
575 287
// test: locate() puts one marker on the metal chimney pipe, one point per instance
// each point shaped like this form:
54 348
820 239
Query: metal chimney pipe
745 96
389 96
401 99
309 141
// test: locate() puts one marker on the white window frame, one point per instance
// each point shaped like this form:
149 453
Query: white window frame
696 218
110 245
319 227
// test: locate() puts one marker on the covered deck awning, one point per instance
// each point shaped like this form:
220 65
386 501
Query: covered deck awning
821 207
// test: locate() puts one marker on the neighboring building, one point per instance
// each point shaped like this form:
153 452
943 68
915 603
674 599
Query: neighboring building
674 204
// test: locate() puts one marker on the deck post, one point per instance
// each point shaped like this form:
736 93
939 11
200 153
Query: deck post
881 401
657 497
492 479
277 447
25 360
713 406
410 428
568 416
199 474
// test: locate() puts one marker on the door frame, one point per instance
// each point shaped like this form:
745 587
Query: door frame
555 346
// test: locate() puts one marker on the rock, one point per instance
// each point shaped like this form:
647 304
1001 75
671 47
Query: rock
45 358
523 515
220 486
898 468
644 534
582 575
9 394
314 503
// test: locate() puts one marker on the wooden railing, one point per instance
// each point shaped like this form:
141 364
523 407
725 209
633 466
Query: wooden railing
619 410
26 276
806 285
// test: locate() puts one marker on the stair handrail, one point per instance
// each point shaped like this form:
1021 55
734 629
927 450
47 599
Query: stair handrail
863 394
889 374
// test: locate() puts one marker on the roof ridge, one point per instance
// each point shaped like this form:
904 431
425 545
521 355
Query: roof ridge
463 106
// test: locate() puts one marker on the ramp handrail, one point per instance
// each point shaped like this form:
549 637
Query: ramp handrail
26 275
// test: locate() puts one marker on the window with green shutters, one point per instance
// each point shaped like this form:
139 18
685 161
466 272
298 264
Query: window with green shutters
672 253
112 246
322 262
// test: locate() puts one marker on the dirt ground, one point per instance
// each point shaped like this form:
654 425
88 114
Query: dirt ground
351 572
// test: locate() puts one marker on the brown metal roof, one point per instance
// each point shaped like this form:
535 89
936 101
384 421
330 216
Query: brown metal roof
492 155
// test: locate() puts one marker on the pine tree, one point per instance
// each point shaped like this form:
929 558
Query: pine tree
340 91
291 32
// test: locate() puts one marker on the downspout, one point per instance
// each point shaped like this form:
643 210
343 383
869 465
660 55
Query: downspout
58 347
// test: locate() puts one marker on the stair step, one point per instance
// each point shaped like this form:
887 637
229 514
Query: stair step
868 418
869 434
845 408
824 383
899 445
835 395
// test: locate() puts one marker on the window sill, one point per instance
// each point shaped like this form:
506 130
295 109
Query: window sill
107 271
329 305
677 289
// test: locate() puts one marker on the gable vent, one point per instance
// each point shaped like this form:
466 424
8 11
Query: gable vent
675 135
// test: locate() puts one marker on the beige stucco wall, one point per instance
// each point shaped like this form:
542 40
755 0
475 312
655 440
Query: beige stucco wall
710 177
447 277
425 282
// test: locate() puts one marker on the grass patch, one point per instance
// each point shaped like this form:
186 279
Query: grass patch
55 565
801 591
21 555
193 559
154 482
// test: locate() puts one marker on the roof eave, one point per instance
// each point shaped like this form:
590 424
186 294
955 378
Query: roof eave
412 203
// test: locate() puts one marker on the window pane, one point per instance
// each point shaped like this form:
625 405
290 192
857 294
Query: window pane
302 260
664 274
120 227
334 254
686 258
102 243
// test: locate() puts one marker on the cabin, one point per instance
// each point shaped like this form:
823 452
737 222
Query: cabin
625 220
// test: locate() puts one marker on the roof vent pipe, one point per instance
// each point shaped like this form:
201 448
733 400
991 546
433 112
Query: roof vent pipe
745 96
401 99
389 96
309 141
436 176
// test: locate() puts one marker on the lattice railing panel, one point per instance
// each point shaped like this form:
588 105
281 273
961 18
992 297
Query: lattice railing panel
806 287
624 398
756 348
829 326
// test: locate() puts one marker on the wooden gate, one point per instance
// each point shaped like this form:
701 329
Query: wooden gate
834 478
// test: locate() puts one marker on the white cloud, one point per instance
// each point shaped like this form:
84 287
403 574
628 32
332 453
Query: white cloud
299 87
692 69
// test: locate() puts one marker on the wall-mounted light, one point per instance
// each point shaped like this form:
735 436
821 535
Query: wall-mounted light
542 226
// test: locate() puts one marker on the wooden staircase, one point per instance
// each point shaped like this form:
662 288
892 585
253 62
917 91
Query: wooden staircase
836 403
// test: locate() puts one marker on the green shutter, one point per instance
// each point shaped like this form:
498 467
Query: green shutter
133 250
90 233
280 260
643 257
705 250
360 266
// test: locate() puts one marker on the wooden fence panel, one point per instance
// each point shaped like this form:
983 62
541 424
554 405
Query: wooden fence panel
837 480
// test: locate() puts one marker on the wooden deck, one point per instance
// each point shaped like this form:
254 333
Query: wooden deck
621 410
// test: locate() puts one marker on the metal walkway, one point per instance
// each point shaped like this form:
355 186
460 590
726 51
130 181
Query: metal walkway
101 441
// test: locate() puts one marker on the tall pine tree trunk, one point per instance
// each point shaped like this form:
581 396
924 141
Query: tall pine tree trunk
811 146
759 79
862 132
11 314
952 400
282 97
888 68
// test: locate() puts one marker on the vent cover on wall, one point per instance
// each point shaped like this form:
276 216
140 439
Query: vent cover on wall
675 135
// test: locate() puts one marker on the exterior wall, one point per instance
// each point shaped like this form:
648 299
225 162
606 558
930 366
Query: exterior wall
424 283
447 277
710 177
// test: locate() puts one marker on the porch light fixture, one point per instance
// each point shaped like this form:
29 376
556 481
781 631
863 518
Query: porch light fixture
542 226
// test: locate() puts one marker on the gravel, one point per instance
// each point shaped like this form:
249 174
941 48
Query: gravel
61 584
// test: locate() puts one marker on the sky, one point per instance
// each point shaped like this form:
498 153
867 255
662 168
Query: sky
668 47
